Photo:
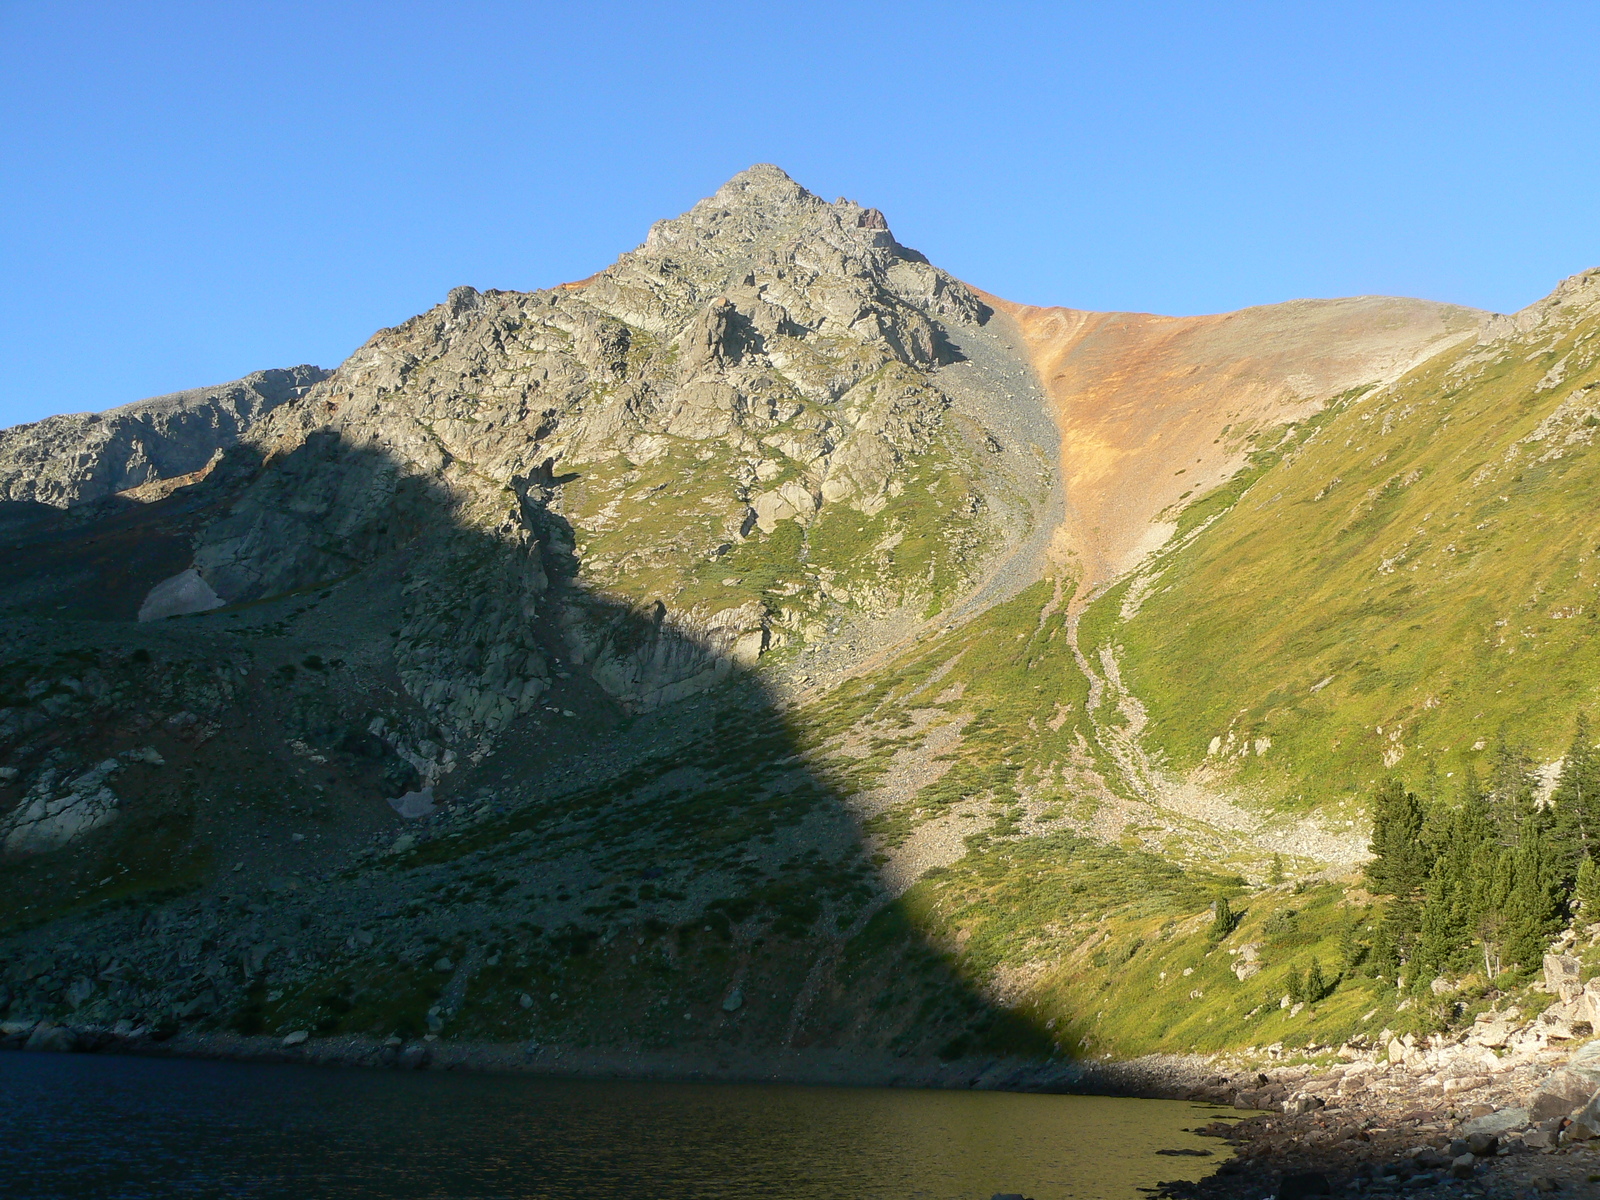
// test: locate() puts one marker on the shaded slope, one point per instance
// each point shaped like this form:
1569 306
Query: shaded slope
549 559
684 879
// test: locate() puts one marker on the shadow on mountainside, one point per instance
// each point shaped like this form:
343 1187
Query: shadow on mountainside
599 873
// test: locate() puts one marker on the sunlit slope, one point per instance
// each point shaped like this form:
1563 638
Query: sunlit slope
1153 410
1393 583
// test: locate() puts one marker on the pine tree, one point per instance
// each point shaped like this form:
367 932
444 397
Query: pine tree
1315 987
1533 906
1446 925
1575 805
1351 949
1588 890
1275 875
1222 919
1488 894
1440 937
1384 962
1401 860
1295 986
1512 787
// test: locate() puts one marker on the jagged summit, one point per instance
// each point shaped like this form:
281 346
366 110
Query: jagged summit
765 186
762 198
762 217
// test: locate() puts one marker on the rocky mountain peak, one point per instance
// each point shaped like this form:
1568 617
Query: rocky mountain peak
763 186
761 218
768 361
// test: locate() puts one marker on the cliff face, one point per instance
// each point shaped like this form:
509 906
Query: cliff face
69 459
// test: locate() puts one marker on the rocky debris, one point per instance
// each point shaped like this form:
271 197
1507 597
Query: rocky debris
1383 1126
71 459
1353 1151
56 810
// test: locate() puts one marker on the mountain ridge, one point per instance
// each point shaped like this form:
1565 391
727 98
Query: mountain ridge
135 444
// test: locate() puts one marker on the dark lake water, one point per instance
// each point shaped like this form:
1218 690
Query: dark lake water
91 1126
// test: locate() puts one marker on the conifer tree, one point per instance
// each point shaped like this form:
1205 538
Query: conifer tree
1446 923
1575 804
1295 986
1512 787
1588 890
1222 919
1384 962
1315 987
1441 938
1401 861
1488 892
1351 949
1532 914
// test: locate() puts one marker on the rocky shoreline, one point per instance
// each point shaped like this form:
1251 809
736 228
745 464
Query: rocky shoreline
1410 1117
1368 1126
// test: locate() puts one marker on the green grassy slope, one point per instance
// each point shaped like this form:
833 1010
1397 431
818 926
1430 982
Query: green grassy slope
1400 580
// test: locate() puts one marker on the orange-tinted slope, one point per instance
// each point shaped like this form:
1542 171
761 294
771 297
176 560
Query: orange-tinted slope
1153 409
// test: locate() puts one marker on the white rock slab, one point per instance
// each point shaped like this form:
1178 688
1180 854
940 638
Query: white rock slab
184 593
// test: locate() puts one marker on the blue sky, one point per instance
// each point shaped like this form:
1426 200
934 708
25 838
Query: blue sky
189 192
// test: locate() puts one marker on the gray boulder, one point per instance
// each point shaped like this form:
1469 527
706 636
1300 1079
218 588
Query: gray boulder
1560 1093
183 593
1585 1122
1561 976
1497 1123
55 1038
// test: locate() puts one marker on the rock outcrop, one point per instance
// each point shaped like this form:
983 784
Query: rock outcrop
69 459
